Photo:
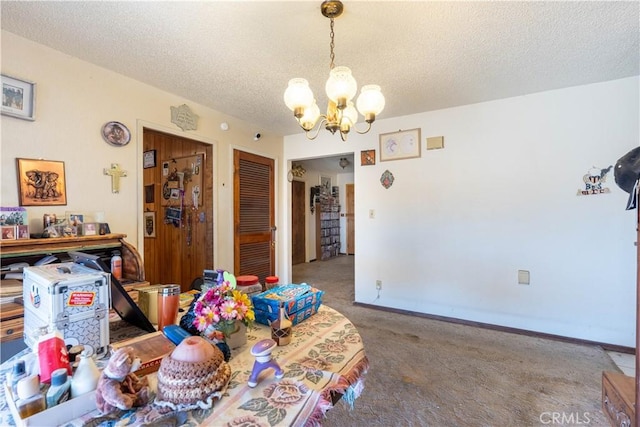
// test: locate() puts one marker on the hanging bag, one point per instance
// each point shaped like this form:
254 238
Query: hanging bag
627 173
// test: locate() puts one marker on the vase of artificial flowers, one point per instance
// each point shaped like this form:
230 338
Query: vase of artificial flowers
222 313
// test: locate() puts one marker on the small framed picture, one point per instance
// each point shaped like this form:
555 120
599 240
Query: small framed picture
18 98
103 228
23 231
149 159
75 219
149 224
175 194
89 229
8 232
367 157
325 183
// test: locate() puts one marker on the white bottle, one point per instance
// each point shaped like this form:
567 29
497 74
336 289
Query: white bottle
86 377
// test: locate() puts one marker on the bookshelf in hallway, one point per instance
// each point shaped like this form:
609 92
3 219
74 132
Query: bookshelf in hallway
327 227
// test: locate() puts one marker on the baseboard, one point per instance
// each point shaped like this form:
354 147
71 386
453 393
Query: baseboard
605 346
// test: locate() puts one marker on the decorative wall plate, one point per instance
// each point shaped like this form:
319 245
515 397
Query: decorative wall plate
116 134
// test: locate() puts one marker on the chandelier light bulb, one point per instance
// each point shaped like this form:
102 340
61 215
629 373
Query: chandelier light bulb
371 101
349 117
310 117
298 96
341 87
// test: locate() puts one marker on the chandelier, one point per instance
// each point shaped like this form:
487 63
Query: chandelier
341 87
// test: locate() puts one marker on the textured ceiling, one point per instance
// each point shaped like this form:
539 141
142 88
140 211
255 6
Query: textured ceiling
237 56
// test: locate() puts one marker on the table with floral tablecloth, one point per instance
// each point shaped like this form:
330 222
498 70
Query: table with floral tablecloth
325 359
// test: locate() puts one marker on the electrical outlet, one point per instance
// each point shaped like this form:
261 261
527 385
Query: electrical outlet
378 284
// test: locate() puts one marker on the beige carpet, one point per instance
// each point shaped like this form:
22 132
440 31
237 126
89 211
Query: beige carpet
432 373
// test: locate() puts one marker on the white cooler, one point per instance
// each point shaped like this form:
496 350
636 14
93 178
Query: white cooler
71 298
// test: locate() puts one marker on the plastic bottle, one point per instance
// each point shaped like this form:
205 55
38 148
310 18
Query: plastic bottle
19 372
116 265
86 377
281 327
52 354
30 400
60 388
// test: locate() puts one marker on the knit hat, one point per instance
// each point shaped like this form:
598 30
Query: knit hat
184 385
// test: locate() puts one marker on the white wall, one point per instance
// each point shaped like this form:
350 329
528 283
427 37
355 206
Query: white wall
452 232
74 99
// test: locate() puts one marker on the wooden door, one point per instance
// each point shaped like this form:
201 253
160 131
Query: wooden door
351 221
178 249
253 215
298 211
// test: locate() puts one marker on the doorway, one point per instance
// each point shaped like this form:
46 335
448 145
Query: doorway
178 213
315 170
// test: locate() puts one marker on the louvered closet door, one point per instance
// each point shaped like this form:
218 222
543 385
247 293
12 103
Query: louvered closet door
254 215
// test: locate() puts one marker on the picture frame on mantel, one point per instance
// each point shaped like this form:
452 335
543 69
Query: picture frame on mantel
18 98
400 145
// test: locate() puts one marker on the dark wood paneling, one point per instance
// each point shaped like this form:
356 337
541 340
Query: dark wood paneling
171 257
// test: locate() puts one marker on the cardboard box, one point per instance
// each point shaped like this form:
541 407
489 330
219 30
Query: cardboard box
58 415
302 299
71 298
150 348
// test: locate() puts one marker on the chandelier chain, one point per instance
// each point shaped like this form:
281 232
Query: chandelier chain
331 46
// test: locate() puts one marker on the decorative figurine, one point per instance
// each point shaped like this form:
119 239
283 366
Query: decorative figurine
262 352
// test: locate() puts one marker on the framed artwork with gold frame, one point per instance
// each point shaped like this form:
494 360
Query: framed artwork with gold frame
41 182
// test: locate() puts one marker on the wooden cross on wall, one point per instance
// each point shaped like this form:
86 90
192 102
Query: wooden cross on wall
115 172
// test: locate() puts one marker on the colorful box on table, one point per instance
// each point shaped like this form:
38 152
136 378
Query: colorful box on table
300 302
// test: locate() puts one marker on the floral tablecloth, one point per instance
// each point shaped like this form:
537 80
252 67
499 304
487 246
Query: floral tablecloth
325 356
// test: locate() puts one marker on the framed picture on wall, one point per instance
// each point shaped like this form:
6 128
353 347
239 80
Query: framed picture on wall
18 98
400 145
367 157
41 182
149 224
325 183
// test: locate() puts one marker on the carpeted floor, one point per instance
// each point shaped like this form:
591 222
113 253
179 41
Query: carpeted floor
432 373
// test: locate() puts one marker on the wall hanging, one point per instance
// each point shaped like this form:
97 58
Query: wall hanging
116 134
593 182
115 172
386 179
18 98
400 145
184 118
367 157
41 182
